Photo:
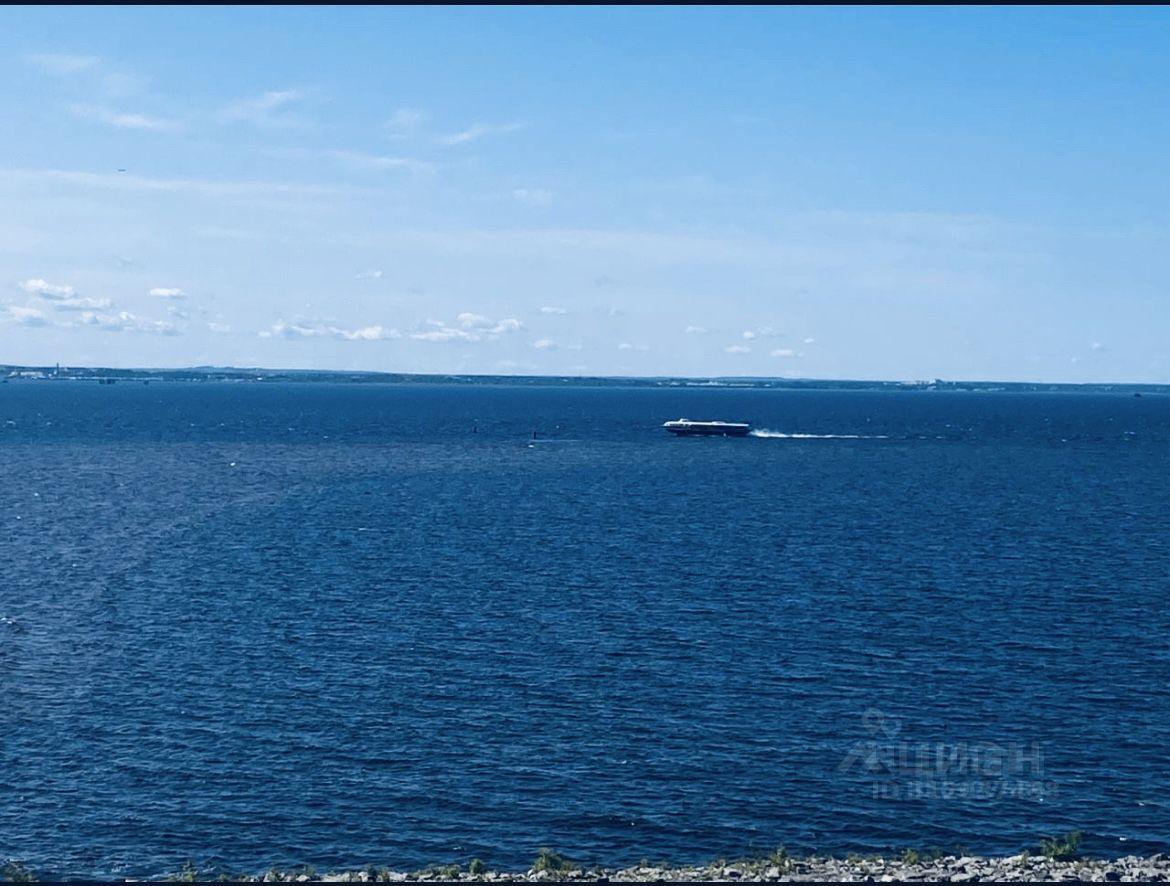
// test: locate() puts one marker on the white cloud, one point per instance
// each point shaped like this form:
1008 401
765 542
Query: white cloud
696 330
785 352
552 309
545 344
533 196
738 349
760 332
320 329
62 64
370 333
445 333
469 327
120 119
167 292
1097 346
810 341
473 321
124 321
404 122
478 131
373 274
490 327
23 316
47 290
219 327
83 304
264 109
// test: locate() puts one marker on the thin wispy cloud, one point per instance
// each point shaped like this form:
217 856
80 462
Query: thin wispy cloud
322 329
120 119
199 187
696 330
404 123
373 274
477 131
62 64
267 109
363 162
83 304
91 71
786 352
545 344
119 85
552 309
124 321
168 292
538 197
738 349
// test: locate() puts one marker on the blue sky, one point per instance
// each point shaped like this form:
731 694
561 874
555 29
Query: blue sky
827 193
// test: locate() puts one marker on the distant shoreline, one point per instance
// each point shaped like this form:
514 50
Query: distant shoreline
23 373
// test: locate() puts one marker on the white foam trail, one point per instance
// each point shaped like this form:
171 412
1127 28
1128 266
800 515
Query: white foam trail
764 432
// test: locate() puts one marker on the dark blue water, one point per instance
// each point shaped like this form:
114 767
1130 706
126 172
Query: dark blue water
328 624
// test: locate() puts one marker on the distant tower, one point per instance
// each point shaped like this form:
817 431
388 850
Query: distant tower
57 371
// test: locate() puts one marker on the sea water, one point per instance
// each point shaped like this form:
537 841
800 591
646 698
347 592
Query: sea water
340 624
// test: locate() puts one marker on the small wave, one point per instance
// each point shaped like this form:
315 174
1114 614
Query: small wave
764 432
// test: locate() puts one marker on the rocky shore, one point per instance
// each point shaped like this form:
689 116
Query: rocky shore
777 868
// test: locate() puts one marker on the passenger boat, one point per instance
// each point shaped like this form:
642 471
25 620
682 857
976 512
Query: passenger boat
684 427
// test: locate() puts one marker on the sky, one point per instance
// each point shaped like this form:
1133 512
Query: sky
903 193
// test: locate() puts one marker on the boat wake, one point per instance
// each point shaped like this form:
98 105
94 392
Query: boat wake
778 435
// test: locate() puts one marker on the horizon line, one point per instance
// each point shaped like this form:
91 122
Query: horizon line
9 367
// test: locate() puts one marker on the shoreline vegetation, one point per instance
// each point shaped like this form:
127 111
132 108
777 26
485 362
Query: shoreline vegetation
1055 859
109 375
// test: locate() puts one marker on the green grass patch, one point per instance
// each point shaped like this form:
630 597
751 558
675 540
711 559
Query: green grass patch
1063 848
553 862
